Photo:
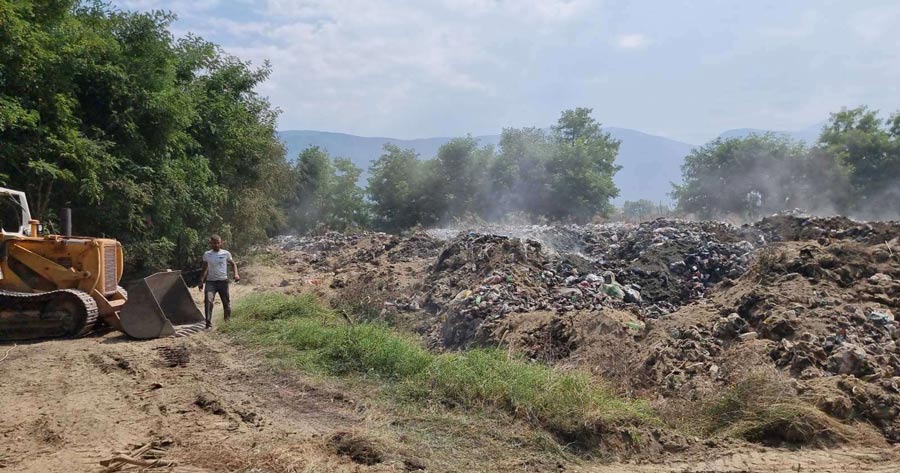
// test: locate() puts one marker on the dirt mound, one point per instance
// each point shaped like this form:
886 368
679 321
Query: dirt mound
800 228
668 309
823 314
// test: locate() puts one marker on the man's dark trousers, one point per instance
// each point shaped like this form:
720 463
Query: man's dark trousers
209 297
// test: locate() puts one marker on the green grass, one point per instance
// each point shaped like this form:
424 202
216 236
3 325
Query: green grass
303 332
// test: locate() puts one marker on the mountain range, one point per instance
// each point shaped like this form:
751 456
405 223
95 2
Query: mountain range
650 163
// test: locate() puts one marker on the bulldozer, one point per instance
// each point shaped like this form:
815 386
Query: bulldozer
54 285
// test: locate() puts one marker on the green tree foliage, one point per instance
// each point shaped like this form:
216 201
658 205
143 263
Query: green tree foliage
153 140
517 177
313 174
854 168
398 190
743 176
643 210
456 178
868 148
325 193
562 175
582 167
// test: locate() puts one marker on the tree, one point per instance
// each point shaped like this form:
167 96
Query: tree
397 190
642 210
325 193
154 141
868 148
457 179
313 179
517 175
744 176
575 125
581 168
349 208
564 175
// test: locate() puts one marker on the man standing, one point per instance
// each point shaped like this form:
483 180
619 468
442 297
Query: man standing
215 277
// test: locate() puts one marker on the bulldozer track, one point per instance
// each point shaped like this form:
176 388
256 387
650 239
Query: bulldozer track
174 356
25 302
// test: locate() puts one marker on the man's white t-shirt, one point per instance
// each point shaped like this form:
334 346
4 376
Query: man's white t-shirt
217 264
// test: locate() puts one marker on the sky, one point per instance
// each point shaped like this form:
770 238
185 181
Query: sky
687 70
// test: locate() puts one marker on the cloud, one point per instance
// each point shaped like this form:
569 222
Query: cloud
412 68
183 7
632 41
876 24
356 65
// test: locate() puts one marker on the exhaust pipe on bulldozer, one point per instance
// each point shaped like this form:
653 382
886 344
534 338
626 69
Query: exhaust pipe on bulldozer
159 306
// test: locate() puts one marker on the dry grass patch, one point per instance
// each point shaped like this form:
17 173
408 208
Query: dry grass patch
763 406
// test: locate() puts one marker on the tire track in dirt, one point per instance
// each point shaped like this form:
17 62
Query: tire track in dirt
67 404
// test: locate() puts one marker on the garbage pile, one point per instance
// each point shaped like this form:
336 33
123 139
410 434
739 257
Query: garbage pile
652 269
824 313
674 261
338 250
684 305
797 228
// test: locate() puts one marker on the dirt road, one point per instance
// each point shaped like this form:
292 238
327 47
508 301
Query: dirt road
66 405
211 405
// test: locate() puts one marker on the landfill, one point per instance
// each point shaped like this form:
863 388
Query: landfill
668 308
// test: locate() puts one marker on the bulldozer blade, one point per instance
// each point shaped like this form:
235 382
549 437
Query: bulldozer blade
157 305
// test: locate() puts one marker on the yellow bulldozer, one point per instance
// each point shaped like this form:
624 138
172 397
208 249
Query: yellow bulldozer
62 285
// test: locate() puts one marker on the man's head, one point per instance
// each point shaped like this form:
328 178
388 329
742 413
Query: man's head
215 242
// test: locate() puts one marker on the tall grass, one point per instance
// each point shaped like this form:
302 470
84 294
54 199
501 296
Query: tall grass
763 406
302 330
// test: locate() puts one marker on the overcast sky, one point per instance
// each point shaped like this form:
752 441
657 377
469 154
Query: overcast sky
682 69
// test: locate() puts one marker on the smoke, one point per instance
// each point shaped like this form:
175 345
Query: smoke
750 178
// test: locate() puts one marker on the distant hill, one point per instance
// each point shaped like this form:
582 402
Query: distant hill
649 163
808 135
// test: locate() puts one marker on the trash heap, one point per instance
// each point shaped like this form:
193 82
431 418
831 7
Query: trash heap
652 268
338 250
822 310
683 305
799 228
674 261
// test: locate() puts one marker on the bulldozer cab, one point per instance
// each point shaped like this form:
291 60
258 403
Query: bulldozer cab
14 213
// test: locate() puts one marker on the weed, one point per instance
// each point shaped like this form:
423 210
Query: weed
299 328
363 298
763 406
770 261
365 348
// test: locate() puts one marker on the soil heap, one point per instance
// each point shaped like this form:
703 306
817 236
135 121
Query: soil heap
667 309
